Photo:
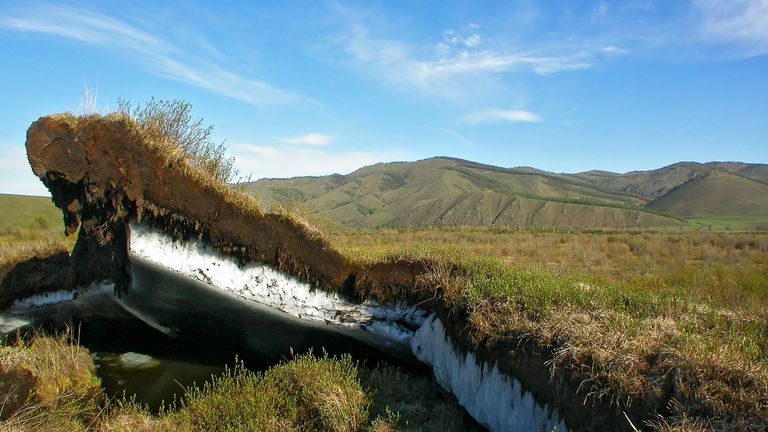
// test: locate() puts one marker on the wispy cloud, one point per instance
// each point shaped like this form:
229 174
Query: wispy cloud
459 137
739 22
266 151
460 62
310 139
270 162
154 53
500 116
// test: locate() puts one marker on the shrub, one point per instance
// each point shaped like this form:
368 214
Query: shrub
51 385
308 393
170 126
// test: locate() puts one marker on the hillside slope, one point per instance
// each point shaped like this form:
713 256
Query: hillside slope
22 212
717 195
453 192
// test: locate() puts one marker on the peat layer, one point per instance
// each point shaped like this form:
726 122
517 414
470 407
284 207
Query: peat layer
102 173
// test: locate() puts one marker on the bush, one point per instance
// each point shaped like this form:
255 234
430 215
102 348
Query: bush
170 126
308 393
48 384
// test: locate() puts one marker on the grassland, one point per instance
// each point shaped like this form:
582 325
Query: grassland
621 314
725 269
29 226
615 310
22 213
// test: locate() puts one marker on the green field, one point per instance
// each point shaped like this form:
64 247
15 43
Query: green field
22 212
29 226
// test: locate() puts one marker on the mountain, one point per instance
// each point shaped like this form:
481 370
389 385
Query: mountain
451 192
718 195
445 191
757 172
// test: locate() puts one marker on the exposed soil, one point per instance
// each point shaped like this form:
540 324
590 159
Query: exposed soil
34 276
16 386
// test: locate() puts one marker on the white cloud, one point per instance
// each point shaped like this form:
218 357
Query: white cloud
258 150
16 176
299 161
149 51
740 22
610 49
451 37
459 137
310 139
501 116
454 67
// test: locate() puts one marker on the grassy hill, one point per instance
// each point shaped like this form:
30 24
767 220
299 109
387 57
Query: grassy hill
452 192
719 197
757 172
21 212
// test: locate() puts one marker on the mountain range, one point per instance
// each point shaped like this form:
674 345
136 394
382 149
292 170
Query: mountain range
444 191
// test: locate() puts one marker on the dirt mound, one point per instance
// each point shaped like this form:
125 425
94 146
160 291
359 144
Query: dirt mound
101 173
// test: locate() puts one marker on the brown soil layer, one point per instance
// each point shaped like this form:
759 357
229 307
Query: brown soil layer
34 276
102 175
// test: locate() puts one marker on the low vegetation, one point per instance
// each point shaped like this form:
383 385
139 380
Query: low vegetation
50 384
17 245
170 127
636 318
723 269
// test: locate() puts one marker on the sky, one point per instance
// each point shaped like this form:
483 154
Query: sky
321 87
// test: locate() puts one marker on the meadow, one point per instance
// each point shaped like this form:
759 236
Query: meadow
723 268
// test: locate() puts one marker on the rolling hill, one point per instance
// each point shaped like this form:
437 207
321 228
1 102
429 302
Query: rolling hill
717 196
453 192
21 212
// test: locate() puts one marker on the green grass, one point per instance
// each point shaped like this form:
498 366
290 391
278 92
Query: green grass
22 213
613 331
48 384
306 393
30 226
731 223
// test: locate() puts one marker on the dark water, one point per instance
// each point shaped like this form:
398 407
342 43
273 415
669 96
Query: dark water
169 331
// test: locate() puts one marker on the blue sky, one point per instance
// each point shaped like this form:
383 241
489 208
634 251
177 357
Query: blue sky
311 88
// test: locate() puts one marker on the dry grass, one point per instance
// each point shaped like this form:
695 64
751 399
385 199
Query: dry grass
726 269
307 393
635 318
20 245
170 128
53 385
167 129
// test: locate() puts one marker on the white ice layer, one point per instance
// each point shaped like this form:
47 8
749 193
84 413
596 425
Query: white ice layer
59 296
265 285
493 399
